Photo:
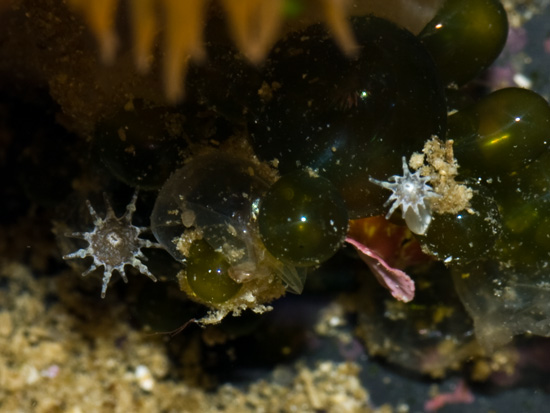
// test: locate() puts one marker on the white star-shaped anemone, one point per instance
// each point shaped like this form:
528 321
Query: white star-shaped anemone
412 194
114 243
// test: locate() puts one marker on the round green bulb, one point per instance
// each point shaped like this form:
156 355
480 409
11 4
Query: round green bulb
465 37
463 237
302 219
501 133
525 209
208 274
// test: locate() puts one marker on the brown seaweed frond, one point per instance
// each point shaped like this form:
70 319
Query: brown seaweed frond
254 26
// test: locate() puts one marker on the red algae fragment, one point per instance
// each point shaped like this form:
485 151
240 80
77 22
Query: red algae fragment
387 249
401 286
461 394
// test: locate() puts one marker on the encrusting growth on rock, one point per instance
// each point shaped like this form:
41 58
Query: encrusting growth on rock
437 162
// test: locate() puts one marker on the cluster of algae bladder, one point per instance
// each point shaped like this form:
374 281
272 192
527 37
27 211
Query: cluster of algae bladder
255 26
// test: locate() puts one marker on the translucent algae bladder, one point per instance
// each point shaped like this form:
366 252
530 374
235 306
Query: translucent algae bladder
205 216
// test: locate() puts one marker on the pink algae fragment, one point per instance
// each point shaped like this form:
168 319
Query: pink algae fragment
461 394
400 285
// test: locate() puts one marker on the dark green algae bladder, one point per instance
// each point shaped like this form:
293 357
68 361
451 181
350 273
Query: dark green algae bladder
302 219
465 37
501 133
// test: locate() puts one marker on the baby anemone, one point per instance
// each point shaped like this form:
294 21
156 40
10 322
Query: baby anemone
412 194
113 243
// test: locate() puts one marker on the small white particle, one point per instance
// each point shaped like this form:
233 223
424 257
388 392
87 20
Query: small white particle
144 378
30 373
523 81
